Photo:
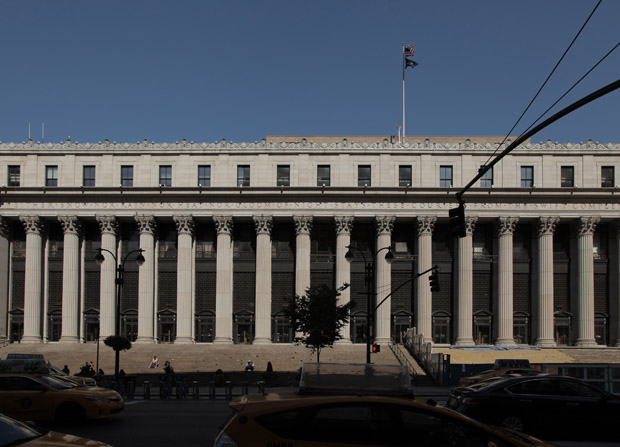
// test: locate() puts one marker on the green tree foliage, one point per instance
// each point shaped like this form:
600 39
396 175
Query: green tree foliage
118 342
318 317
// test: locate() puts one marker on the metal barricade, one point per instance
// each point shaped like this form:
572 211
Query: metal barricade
195 390
146 390
228 389
211 390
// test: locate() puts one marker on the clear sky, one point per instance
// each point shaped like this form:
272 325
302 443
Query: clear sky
244 69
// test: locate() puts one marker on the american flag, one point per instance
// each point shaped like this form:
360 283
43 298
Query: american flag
409 50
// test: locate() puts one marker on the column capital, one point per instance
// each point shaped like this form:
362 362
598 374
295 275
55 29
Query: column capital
70 224
303 224
5 228
108 224
33 224
263 224
146 224
546 225
585 226
344 224
185 224
506 226
223 224
470 224
384 224
426 224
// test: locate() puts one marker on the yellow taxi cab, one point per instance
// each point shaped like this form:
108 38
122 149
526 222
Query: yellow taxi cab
355 405
14 433
34 395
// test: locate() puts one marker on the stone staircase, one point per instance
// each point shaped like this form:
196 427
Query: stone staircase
192 358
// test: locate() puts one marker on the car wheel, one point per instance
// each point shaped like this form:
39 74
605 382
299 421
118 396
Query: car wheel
513 422
70 413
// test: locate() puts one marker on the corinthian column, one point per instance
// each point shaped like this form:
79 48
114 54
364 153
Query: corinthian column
385 226
185 278
585 281
146 280
5 268
614 284
33 290
107 282
505 335
70 279
544 301
263 226
424 307
303 226
224 281
344 225
465 286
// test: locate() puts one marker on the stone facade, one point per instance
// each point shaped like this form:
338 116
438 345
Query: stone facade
229 230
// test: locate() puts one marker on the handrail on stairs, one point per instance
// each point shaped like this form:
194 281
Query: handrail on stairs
402 358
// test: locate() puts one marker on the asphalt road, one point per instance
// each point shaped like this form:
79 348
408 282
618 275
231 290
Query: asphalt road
180 423
153 423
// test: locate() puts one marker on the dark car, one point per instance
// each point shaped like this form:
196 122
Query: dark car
550 407
356 405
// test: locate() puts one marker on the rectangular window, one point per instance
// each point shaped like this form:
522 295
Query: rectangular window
445 176
204 175
323 175
486 181
51 176
14 176
165 175
404 176
363 175
568 176
608 179
284 175
127 176
243 175
88 176
527 176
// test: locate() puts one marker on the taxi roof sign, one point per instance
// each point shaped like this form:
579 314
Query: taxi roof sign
355 378
29 366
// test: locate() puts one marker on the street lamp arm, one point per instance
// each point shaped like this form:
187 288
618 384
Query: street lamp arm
400 287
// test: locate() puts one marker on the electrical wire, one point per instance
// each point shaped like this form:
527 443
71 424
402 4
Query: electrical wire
572 87
546 80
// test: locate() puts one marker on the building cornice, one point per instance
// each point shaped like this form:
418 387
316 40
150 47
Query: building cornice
223 146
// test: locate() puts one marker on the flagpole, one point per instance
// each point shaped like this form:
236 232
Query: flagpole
404 66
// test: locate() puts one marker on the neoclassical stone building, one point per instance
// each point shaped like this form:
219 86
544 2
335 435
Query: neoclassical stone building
230 230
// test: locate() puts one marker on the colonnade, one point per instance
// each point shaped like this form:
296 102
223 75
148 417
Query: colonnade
542 302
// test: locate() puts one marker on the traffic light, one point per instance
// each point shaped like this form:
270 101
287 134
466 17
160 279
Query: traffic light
457 221
434 280
376 348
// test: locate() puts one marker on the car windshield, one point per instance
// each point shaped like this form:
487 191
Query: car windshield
13 432
58 383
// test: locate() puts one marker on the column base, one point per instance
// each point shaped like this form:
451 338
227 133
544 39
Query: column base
69 339
145 340
546 342
383 341
31 339
183 341
586 342
261 341
222 341
506 342
464 342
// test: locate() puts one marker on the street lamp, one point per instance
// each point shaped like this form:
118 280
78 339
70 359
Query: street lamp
369 268
120 270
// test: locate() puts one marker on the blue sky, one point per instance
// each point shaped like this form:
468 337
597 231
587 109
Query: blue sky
243 69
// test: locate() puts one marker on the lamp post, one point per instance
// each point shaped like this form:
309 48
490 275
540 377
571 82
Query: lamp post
120 270
369 269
